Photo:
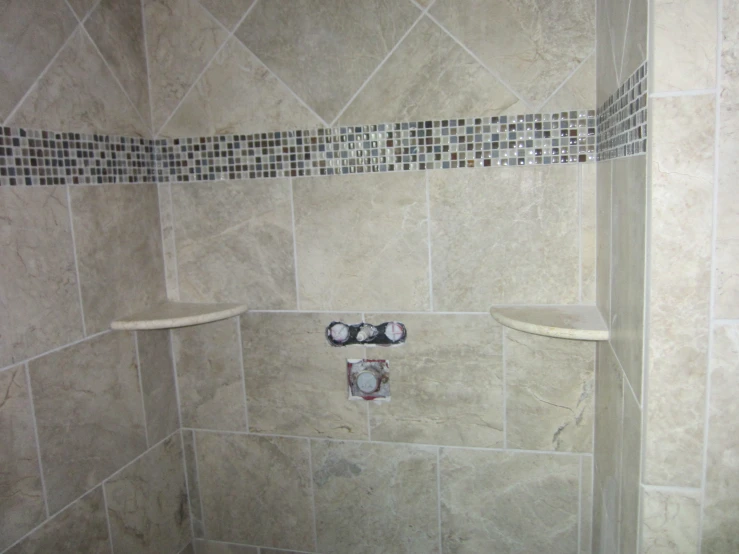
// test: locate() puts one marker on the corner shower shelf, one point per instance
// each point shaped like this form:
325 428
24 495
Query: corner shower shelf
169 315
564 322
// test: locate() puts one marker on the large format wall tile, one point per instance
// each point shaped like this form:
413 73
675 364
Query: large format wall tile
238 94
270 504
682 201
578 90
630 474
298 386
375 498
635 41
504 237
119 250
193 484
534 46
529 502
81 527
213 547
671 523
82 7
32 32
158 384
604 206
89 414
147 502
606 78
588 232
365 248
228 12
325 51
446 382
21 493
446 82
208 362
721 510
79 93
39 301
550 393
586 505
181 39
234 242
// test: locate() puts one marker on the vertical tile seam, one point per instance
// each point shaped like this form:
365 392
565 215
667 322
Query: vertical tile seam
174 241
76 260
161 191
44 490
579 507
187 482
504 356
580 171
620 68
312 494
148 76
243 371
428 239
197 478
438 497
141 387
295 243
176 380
107 518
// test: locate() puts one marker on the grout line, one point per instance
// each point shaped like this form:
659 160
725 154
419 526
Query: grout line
295 244
579 508
623 374
197 478
243 372
38 442
695 92
141 387
187 484
620 67
176 381
428 239
619 507
174 242
244 545
57 349
312 494
369 426
167 270
567 80
579 231
107 519
685 491
438 496
504 355
148 70
721 322
76 262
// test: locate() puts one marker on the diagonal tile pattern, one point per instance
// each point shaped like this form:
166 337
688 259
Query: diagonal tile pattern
228 12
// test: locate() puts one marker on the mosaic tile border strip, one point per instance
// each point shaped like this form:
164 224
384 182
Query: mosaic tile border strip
622 119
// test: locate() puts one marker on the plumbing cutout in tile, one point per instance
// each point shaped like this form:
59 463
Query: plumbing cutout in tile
368 379
391 333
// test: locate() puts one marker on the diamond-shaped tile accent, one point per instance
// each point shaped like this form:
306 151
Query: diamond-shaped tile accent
228 12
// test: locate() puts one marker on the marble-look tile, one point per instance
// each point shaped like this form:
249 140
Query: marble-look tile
237 94
603 204
506 236
274 478
588 232
586 505
682 199
534 46
616 19
118 31
606 78
670 523
228 12
147 502
81 527
189 549
209 377
235 243
375 498
158 384
446 382
21 492
605 514
630 474
79 93
628 264
32 32
270 551
213 547
169 250
181 39
39 301
89 413
549 385
529 502
609 392
193 484
635 41
382 264
315 403
82 7
684 45
325 51
119 250
578 90
721 509
446 82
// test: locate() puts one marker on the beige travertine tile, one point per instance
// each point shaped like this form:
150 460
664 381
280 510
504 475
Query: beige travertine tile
193 485
158 384
181 39
533 46
325 51
147 502
228 12
446 82
529 502
81 7
365 248
721 508
213 547
208 362
682 198
118 31
274 470
169 251
119 250
609 393
549 388
505 236
237 94
297 385
89 414
21 492
670 522
588 231
628 245
578 92
604 205
684 45
234 242
630 474
635 42
375 498
79 93
39 301
446 382
81 527
606 78
586 505
32 32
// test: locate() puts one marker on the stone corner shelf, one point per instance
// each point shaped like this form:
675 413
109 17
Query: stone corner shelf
169 315
564 322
